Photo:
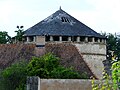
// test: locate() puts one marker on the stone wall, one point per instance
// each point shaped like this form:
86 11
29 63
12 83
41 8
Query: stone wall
65 84
40 40
35 83
94 55
92 48
95 63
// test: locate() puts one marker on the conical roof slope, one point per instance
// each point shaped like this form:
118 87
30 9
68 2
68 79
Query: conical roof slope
61 23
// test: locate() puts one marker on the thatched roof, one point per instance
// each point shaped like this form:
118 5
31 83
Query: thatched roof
68 54
70 57
11 53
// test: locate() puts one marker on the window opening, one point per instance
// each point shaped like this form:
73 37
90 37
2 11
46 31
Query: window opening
96 39
47 38
64 38
100 39
82 39
56 38
65 19
89 39
31 38
74 38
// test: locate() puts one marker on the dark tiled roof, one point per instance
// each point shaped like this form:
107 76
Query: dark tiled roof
61 23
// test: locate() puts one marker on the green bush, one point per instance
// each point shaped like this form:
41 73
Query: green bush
13 76
48 66
64 73
41 66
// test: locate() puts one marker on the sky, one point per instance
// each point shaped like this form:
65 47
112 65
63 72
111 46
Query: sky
100 15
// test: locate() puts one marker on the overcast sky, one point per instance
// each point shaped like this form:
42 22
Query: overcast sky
100 15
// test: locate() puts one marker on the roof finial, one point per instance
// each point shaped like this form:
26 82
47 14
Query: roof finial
60 8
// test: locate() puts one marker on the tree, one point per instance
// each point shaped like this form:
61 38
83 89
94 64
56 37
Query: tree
20 33
113 46
4 37
118 47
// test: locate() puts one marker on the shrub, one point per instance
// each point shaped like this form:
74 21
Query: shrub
48 66
13 76
64 73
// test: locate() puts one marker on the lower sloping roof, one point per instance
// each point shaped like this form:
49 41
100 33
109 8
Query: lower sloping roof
11 53
70 57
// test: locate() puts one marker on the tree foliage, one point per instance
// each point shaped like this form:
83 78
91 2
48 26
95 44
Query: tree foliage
20 32
113 46
48 66
4 37
13 77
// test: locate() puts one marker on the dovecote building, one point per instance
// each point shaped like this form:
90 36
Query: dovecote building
60 27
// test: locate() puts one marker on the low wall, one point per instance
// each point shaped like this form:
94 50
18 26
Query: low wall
65 84
58 84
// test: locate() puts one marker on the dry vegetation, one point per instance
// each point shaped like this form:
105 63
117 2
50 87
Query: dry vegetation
68 53
10 53
69 56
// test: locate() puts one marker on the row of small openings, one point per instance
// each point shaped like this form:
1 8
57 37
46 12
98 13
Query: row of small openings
31 38
90 39
65 38
65 19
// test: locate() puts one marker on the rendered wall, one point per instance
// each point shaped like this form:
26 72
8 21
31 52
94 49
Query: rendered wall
35 83
94 55
65 84
40 40
92 48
